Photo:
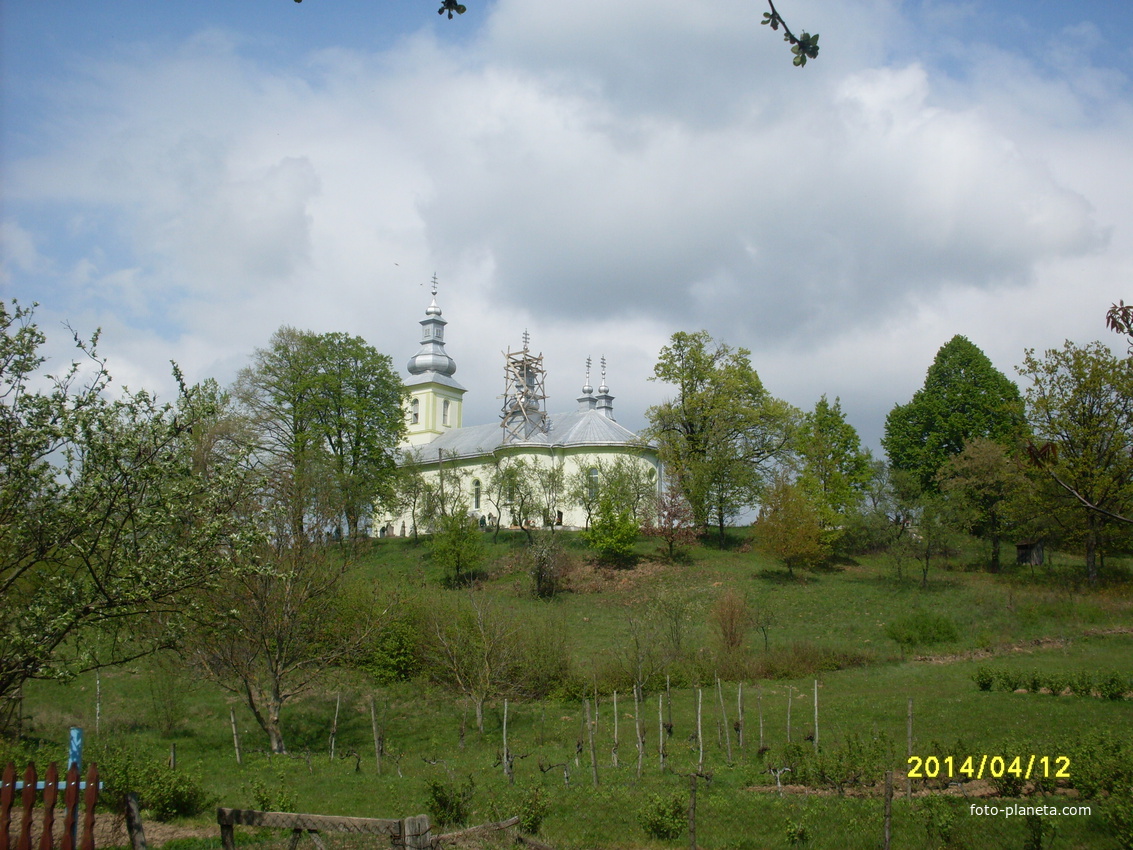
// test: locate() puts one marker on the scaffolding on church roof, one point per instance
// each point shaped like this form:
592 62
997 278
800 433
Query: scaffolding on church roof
524 412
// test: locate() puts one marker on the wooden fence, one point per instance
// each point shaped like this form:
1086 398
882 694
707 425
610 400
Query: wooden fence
28 788
413 833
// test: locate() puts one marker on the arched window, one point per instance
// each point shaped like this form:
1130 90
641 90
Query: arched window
415 411
444 412
592 483
476 494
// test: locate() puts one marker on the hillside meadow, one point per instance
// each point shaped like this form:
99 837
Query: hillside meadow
1055 656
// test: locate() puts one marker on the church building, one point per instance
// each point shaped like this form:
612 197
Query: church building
556 452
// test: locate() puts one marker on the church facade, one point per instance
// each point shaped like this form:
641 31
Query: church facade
563 458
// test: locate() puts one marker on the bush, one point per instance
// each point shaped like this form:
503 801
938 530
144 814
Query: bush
612 533
1009 680
1082 684
1112 686
922 628
984 677
546 564
393 653
164 792
449 804
1056 683
664 818
532 809
273 798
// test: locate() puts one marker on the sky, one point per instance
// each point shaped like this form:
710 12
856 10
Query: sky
191 175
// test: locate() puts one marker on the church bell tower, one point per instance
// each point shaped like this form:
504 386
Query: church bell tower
435 398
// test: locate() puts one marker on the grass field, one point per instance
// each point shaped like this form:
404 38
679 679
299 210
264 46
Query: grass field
834 628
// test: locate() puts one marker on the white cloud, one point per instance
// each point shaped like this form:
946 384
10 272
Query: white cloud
603 175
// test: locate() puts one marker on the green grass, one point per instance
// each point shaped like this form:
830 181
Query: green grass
837 615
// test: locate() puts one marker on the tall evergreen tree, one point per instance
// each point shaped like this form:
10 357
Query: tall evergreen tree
964 396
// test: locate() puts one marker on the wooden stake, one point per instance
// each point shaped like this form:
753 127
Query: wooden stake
888 809
699 730
661 730
816 715
692 812
790 693
508 765
724 718
639 730
334 724
593 754
759 702
374 727
614 751
740 715
235 734
909 779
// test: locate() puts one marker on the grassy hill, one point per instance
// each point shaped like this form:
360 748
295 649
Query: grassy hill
865 640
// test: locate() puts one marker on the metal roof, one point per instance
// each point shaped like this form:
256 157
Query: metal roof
575 429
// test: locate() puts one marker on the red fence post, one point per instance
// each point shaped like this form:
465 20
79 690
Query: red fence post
71 808
90 798
7 795
50 792
28 799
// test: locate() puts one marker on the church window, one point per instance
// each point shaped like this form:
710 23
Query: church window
444 412
592 483
476 494
415 411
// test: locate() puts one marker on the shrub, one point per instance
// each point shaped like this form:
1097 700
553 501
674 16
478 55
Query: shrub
1120 817
664 818
1082 684
393 653
1035 681
1009 680
939 819
273 798
1112 686
984 677
922 628
449 804
612 533
546 564
532 809
164 792
1057 683
796 833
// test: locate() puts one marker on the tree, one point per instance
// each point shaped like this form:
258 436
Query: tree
457 545
613 531
832 461
279 625
964 396
113 513
326 415
803 47
790 527
476 649
1081 402
358 410
980 483
724 433
673 521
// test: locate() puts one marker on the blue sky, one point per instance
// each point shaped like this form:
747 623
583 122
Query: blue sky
190 175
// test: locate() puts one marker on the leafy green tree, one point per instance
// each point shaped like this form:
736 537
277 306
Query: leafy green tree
279 624
964 396
457 545
358 412
790 526
113 513
613 531
832 461
325 412
627 481
981 484
1080 402
723 434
